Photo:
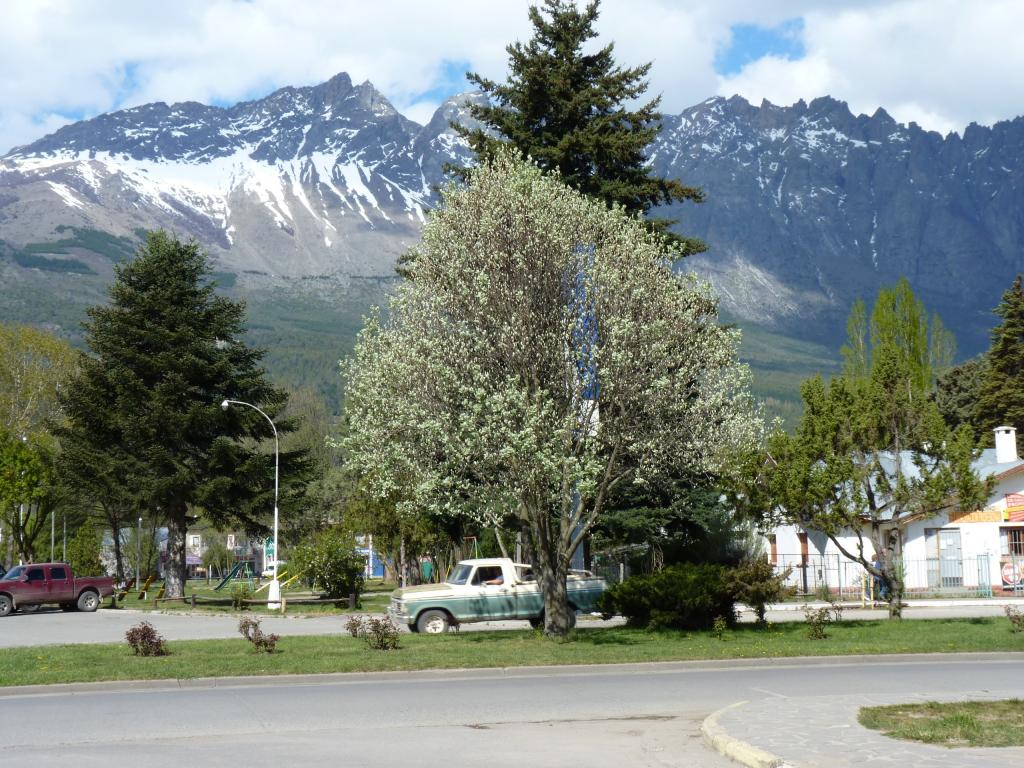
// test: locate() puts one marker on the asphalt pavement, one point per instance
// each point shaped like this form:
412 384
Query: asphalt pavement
636 715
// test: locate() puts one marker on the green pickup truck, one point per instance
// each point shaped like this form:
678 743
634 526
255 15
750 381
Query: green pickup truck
490 589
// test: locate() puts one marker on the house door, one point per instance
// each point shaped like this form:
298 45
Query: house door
945 558
951 568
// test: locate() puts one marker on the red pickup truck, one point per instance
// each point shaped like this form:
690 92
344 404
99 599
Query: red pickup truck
43 583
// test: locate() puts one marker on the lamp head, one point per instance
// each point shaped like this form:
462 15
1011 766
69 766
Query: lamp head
225 405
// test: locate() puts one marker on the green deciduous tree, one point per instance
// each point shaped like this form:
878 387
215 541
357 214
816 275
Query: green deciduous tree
1001 397
329 560
34 365
872 452
568 108
546 354
217 555
165 352
84 552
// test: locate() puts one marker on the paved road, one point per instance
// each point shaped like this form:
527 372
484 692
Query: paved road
54 627
645 715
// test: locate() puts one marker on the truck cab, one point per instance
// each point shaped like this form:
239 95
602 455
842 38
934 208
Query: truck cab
29 586
485 589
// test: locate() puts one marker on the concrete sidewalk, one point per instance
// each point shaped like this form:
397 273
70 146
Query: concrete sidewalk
823 732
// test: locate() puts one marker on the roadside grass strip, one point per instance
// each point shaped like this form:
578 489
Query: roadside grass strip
951 724
617 645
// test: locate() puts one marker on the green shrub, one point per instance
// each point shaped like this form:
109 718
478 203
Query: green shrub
239 594
817 620
755 583
84 552
683 596
328 559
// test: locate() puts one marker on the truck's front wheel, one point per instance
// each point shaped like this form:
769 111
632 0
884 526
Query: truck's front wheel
88 601
433 622
6 606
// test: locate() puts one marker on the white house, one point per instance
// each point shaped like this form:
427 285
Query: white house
977 552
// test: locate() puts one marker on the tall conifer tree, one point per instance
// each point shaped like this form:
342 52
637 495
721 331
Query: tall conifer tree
1001 400
165 352
566 108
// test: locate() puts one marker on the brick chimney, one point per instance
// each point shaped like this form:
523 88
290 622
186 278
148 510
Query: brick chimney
1006 444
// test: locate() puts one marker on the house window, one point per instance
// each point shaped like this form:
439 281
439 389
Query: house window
195 541
1011 541
231 541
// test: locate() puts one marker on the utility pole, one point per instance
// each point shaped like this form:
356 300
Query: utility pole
138 556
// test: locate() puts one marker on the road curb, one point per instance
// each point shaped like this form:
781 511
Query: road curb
742 752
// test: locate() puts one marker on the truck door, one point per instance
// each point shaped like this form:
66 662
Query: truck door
497 599
61 588
34 590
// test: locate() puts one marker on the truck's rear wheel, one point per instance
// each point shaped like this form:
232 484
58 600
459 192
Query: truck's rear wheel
88 601
433 622
6 606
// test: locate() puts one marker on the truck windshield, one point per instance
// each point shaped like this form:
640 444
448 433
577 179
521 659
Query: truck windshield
461 574
14 574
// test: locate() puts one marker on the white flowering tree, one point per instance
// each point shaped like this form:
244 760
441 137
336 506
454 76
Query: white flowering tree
543 353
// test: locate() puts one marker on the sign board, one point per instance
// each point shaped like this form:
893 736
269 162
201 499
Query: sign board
1013 575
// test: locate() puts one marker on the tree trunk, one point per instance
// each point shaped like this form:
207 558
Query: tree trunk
552 570
175 569
115 531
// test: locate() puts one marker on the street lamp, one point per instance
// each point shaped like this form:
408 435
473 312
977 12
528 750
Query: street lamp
274 593
138 555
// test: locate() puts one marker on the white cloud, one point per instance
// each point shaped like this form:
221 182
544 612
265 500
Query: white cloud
940 62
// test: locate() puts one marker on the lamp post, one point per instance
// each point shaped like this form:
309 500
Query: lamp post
138 555
274 593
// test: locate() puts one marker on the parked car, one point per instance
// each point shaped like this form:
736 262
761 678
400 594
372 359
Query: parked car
488 589
29 586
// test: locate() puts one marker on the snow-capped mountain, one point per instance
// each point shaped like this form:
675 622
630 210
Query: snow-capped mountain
325 180
808 207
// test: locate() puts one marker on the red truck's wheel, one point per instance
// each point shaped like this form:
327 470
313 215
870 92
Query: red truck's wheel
5 605
88 601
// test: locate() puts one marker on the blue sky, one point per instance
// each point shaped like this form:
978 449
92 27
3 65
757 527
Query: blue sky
943 63
750 42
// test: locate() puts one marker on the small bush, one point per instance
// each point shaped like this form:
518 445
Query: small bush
1016 617
249 628
755 583
379 634
719 627
382 634
239 594
817 620
683 596
145 640
354 625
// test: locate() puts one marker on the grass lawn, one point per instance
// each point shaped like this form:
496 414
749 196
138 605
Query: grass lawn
213 658
955 724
